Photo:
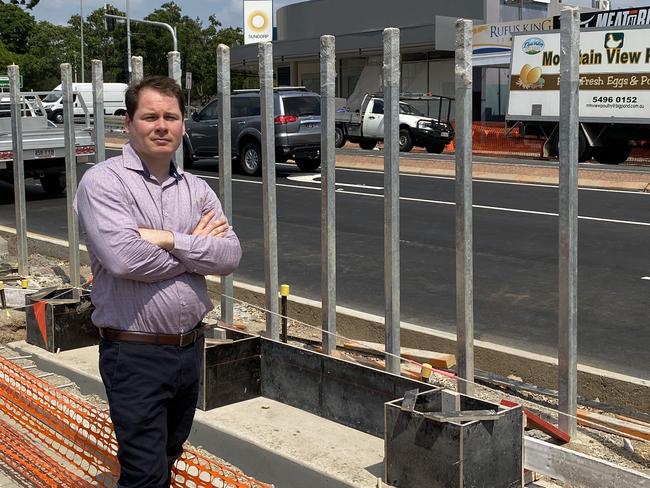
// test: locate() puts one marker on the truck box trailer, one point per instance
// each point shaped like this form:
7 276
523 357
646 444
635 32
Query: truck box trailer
614 97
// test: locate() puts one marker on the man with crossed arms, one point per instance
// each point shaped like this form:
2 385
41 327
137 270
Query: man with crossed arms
153 232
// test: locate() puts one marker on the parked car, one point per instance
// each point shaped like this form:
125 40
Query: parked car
365 126
297 129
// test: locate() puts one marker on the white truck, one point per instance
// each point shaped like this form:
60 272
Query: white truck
614 98
113 100
43 145
366 125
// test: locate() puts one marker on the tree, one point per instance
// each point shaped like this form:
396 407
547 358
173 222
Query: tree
27 4
15 27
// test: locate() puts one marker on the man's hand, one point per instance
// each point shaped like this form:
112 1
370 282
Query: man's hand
161 238
209 227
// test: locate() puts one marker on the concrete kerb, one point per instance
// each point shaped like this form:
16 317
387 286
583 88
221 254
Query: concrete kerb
541 370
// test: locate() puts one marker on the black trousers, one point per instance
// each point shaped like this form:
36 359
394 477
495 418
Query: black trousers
152 394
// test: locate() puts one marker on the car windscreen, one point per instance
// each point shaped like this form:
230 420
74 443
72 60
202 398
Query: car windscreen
406 109
53 96
301 106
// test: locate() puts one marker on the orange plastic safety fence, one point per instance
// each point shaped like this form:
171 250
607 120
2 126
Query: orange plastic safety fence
77 438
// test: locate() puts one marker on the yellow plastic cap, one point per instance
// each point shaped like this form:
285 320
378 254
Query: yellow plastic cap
284 290
24 283
426 371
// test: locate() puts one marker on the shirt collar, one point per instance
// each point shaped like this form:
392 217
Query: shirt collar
133 161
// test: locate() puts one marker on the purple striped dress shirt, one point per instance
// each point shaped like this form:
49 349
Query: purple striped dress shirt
138 286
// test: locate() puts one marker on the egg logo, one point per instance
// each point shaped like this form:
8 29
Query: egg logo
257 21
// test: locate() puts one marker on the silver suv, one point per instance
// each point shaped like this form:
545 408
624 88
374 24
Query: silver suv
297 129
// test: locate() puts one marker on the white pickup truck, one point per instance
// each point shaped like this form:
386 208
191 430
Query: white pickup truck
366 126
43 145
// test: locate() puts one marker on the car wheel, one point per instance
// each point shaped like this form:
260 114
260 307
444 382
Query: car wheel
615 154
58 117
405 140
250 159
53 184
339 137
367 144
307 165
436 148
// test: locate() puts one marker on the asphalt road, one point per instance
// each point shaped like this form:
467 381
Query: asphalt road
515 260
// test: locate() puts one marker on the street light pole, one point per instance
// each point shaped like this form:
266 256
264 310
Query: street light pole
81 14
128 39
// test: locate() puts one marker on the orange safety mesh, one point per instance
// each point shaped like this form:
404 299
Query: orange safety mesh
494 139
53 438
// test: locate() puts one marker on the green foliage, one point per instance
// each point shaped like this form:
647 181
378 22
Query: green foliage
16 26
23 3
40 47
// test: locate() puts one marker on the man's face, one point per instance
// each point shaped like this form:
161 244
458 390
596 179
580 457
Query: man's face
157 127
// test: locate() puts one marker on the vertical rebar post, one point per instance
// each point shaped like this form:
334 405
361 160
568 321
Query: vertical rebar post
328 192
19 169
568 220
225 165
265 56
98 110
464 236
174 68
284 312
391 199
70 172
138 69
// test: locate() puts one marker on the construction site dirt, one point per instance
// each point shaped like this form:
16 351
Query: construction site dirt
604 443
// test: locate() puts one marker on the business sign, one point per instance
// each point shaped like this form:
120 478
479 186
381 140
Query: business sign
4 81
492 43
612 18
258 21
614 75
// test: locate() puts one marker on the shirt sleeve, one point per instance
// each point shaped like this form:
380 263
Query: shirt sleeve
112 234
208 255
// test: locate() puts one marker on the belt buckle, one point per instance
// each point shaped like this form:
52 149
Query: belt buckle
192 335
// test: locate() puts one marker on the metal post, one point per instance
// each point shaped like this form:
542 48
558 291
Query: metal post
98 109
464 237
265 56
568 220
225 165
128 40
70 172
391 198
138 70
174 67
19 169
284 311
81 16
328 193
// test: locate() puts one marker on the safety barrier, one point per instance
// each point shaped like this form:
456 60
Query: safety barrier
52 438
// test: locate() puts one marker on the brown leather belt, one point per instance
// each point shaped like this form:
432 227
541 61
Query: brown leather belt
181 340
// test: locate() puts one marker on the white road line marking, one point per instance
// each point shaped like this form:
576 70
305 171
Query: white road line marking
443 202
497 182
647 278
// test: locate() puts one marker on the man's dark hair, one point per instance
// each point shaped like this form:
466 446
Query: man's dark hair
162 84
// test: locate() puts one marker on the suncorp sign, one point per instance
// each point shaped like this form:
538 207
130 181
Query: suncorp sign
258 21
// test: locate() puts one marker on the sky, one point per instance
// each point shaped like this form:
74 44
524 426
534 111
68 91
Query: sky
229 12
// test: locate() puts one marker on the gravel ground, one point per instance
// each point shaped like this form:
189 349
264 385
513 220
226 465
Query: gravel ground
49 272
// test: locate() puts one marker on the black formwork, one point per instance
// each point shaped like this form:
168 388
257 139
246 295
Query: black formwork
423 451
59 319
347 393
